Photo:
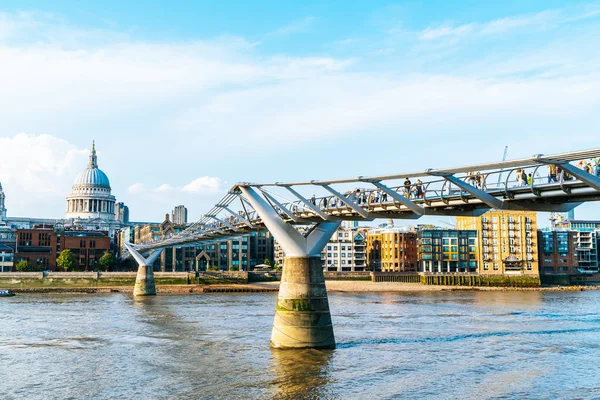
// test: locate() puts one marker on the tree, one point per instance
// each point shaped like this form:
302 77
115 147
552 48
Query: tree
267 262
277 267
106 261
23 266
66 260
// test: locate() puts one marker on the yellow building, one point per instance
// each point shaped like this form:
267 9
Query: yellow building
508 241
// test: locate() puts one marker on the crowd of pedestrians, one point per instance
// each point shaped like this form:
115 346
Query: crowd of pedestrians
476 179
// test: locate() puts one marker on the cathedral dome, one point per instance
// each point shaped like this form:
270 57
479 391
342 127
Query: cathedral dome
90 196
92 177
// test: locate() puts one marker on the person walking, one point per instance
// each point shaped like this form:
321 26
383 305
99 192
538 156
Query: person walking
551 173
407 184
420 193
529 179
313 200
524 177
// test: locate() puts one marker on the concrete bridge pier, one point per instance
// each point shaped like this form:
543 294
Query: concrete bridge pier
302 316
144 281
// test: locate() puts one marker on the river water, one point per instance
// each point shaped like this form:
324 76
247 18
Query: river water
459 345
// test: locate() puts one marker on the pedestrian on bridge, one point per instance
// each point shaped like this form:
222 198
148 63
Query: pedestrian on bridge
407 184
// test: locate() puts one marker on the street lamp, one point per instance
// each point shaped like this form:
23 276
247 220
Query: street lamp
3 253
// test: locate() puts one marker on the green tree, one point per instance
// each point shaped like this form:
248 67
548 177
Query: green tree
277 267
23 266
267 262
106 261
211 268
66 260
233 268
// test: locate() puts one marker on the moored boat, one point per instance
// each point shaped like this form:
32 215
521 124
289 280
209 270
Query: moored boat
6 293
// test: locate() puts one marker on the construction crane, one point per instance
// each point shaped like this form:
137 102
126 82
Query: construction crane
503 159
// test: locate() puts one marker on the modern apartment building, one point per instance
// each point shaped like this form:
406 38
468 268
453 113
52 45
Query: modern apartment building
346 251
392 250
558 251
242 253
508 241
447 250
588 242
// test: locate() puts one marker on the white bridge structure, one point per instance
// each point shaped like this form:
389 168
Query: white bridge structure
558 183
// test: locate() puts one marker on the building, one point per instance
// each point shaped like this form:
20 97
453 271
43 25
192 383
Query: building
91 206
7 258
122 213
588 242
180 215
38 246
87 247
242 253
392 250
2 205
558 252
346 250
447 250
508 241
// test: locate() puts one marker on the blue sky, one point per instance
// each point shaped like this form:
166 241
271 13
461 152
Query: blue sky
185 98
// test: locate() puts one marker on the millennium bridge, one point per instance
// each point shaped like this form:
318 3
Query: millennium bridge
551 183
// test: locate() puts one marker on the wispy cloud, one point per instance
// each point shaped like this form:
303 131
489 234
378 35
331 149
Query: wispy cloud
547 19
297 26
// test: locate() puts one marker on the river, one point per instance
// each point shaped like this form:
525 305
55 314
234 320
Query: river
446 345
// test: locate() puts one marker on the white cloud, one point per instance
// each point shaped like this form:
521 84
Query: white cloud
37 171
541 20
165 187
445 31
136 188
205 185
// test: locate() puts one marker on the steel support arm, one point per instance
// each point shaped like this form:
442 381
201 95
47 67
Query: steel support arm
350 203
308 204
239 217
585 177
291 241
224 223
486 198
140 259
212 228
278 204
399 198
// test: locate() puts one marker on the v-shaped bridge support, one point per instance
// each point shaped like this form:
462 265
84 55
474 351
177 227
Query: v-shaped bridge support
144 281
302 316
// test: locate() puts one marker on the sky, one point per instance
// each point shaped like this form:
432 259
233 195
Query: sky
184 98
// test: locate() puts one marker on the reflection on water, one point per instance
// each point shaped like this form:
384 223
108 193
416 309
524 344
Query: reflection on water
301 373
463 345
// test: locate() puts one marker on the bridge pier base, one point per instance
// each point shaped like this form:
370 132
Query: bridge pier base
144 281
302 317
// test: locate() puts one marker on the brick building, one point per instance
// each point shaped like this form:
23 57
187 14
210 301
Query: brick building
37 246
392 250
87 246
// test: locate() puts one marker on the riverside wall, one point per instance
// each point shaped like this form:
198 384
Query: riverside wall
10 280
